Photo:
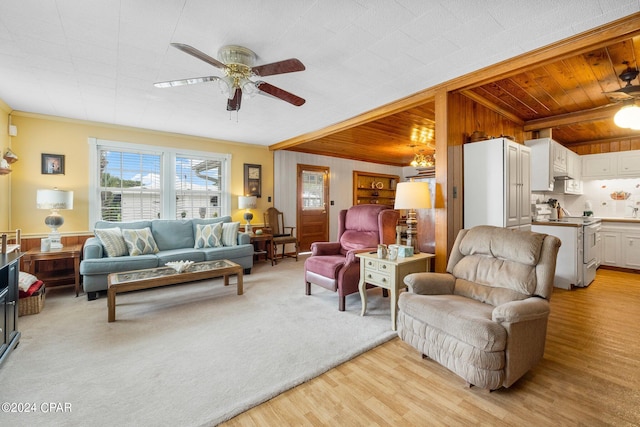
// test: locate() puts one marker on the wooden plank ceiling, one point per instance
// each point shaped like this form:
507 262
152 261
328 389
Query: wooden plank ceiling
566 95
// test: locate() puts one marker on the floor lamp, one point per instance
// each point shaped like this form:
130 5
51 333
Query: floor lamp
412 195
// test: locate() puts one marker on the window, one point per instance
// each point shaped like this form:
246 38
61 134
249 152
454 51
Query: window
313 190
136 182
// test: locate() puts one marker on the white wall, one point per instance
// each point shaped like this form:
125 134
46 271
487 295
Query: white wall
340 182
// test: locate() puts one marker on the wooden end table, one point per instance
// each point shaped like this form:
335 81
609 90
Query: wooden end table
33 255
262 244
389 274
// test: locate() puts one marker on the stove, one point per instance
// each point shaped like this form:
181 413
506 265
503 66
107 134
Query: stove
579 255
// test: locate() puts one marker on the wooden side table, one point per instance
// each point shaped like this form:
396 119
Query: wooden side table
33 255
262 245
389 274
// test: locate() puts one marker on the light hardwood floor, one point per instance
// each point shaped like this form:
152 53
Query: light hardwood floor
590 376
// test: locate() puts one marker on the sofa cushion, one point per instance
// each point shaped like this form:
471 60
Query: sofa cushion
112 240
208 235
140 242
465 319
118 264
325 265
132 225
173 233
233 253
230 233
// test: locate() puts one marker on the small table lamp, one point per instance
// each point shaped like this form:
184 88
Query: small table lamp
412 195
54 200
248 203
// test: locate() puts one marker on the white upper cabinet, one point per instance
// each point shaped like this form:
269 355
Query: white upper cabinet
542 159
621 164
629 163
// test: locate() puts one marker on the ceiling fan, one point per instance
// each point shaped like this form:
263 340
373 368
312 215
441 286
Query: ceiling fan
629 91
237 63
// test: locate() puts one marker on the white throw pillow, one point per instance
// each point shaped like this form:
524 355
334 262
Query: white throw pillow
230 233
112 240
140 242
208 235
25 280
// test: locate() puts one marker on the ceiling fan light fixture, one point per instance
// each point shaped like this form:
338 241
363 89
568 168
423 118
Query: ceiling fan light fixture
249 88
628 117
226 86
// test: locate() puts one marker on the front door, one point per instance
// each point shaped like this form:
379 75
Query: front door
312 208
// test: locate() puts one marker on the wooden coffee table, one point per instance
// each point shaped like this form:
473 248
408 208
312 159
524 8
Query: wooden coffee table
162 276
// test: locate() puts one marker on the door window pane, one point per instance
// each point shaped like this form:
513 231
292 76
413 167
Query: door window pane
312 190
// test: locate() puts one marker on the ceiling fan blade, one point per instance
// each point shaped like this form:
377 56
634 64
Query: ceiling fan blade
280 67
200 55
233 104
280 93
618 96
191 81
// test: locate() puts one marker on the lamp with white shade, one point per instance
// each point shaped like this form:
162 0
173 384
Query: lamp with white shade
412 195
248 203
54 200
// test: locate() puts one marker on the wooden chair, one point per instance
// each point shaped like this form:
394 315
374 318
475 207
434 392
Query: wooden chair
14 236
274 220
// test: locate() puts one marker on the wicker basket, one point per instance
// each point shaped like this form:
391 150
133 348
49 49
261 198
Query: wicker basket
32 304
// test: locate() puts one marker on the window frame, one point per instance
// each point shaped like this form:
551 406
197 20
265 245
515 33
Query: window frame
167 172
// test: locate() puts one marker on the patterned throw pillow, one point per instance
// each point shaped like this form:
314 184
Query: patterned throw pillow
112 240
230 233
208 235
140 242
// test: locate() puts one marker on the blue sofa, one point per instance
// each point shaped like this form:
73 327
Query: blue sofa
175 240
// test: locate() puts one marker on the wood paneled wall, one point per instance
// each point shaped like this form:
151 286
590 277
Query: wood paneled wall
611 146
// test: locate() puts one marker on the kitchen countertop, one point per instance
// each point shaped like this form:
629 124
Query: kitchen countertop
556 223
629 220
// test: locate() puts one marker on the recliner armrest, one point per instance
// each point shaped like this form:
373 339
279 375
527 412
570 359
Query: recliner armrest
532 308
325 248
430 283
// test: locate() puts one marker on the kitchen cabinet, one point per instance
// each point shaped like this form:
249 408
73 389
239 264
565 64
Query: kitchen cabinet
599 166
497 189
631 251
560 154
574 170
549 160
629 163
621 244
370 187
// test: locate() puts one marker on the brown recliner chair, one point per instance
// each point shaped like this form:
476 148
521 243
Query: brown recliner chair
333 265
485 318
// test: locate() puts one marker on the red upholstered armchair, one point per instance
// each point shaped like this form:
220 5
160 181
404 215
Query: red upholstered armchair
333 265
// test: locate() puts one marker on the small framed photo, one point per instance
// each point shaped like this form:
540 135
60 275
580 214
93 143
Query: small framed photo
52 164
252 180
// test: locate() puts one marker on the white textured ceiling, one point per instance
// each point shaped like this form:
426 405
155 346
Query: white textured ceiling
97 60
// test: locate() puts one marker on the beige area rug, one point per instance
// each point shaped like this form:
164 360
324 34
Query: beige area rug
188 355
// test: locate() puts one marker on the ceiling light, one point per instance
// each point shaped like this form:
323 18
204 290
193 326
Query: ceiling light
628 116
423 161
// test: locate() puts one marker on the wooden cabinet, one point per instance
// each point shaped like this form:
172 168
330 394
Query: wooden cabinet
369 187
621 244
629 163
599 166
497 187
560 154
542 161
9 335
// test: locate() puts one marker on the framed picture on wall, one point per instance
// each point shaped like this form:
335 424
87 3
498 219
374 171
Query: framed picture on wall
53 164
252 180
